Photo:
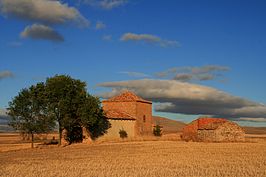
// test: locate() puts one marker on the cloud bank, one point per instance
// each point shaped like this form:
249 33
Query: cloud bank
37 31
186 98
148 38
202 73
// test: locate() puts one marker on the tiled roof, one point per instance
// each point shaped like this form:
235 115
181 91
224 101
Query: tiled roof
210 123
125 97
204 124
115 114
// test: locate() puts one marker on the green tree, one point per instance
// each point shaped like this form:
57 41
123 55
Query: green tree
29 113
61 100
65 96
157 130
92 117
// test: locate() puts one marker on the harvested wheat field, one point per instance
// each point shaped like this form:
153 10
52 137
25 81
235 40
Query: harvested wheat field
143 158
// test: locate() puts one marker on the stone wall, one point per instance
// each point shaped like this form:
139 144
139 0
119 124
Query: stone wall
213 130
225 133
206 136
142 111
117 125
144 118
230 132
189 132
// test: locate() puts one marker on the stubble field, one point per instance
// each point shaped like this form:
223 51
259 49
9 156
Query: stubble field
141 158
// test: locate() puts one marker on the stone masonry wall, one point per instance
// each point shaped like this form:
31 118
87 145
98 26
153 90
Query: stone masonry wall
206 136
144 118
210 130
230 132
190 131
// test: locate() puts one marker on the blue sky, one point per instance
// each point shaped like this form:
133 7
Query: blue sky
135 40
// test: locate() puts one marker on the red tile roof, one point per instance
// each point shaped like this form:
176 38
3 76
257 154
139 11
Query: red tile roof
115 114
126 96
204 124
210 123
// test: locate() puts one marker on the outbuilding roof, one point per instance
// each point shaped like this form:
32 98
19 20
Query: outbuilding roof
210 123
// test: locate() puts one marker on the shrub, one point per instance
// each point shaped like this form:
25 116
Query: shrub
157 130
122 133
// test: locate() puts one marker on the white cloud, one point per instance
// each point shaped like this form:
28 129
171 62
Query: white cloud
100 25
179 97
105 4
38 31
134 74
139 37
42 11
6 74
107 37
148 38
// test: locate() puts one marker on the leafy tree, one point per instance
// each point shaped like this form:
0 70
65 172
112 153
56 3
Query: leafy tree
92 117
65 96
29 113
157 130
61 100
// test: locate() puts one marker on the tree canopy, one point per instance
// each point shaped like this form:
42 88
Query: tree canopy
61 100
92 117
65 96
29 113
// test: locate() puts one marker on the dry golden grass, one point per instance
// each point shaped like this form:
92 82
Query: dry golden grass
13 141
139 158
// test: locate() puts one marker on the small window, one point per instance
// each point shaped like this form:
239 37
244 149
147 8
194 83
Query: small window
144 118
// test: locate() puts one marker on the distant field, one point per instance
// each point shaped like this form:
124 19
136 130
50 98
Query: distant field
137 158
255 130
13 141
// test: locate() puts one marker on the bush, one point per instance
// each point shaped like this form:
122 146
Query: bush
157 130
122 133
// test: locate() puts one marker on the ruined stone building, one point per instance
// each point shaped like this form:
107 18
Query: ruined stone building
213 130
128 112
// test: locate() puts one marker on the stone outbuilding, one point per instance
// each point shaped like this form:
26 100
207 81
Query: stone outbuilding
128 112
213 130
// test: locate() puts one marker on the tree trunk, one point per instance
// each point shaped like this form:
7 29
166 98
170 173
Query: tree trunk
32 139
60 134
